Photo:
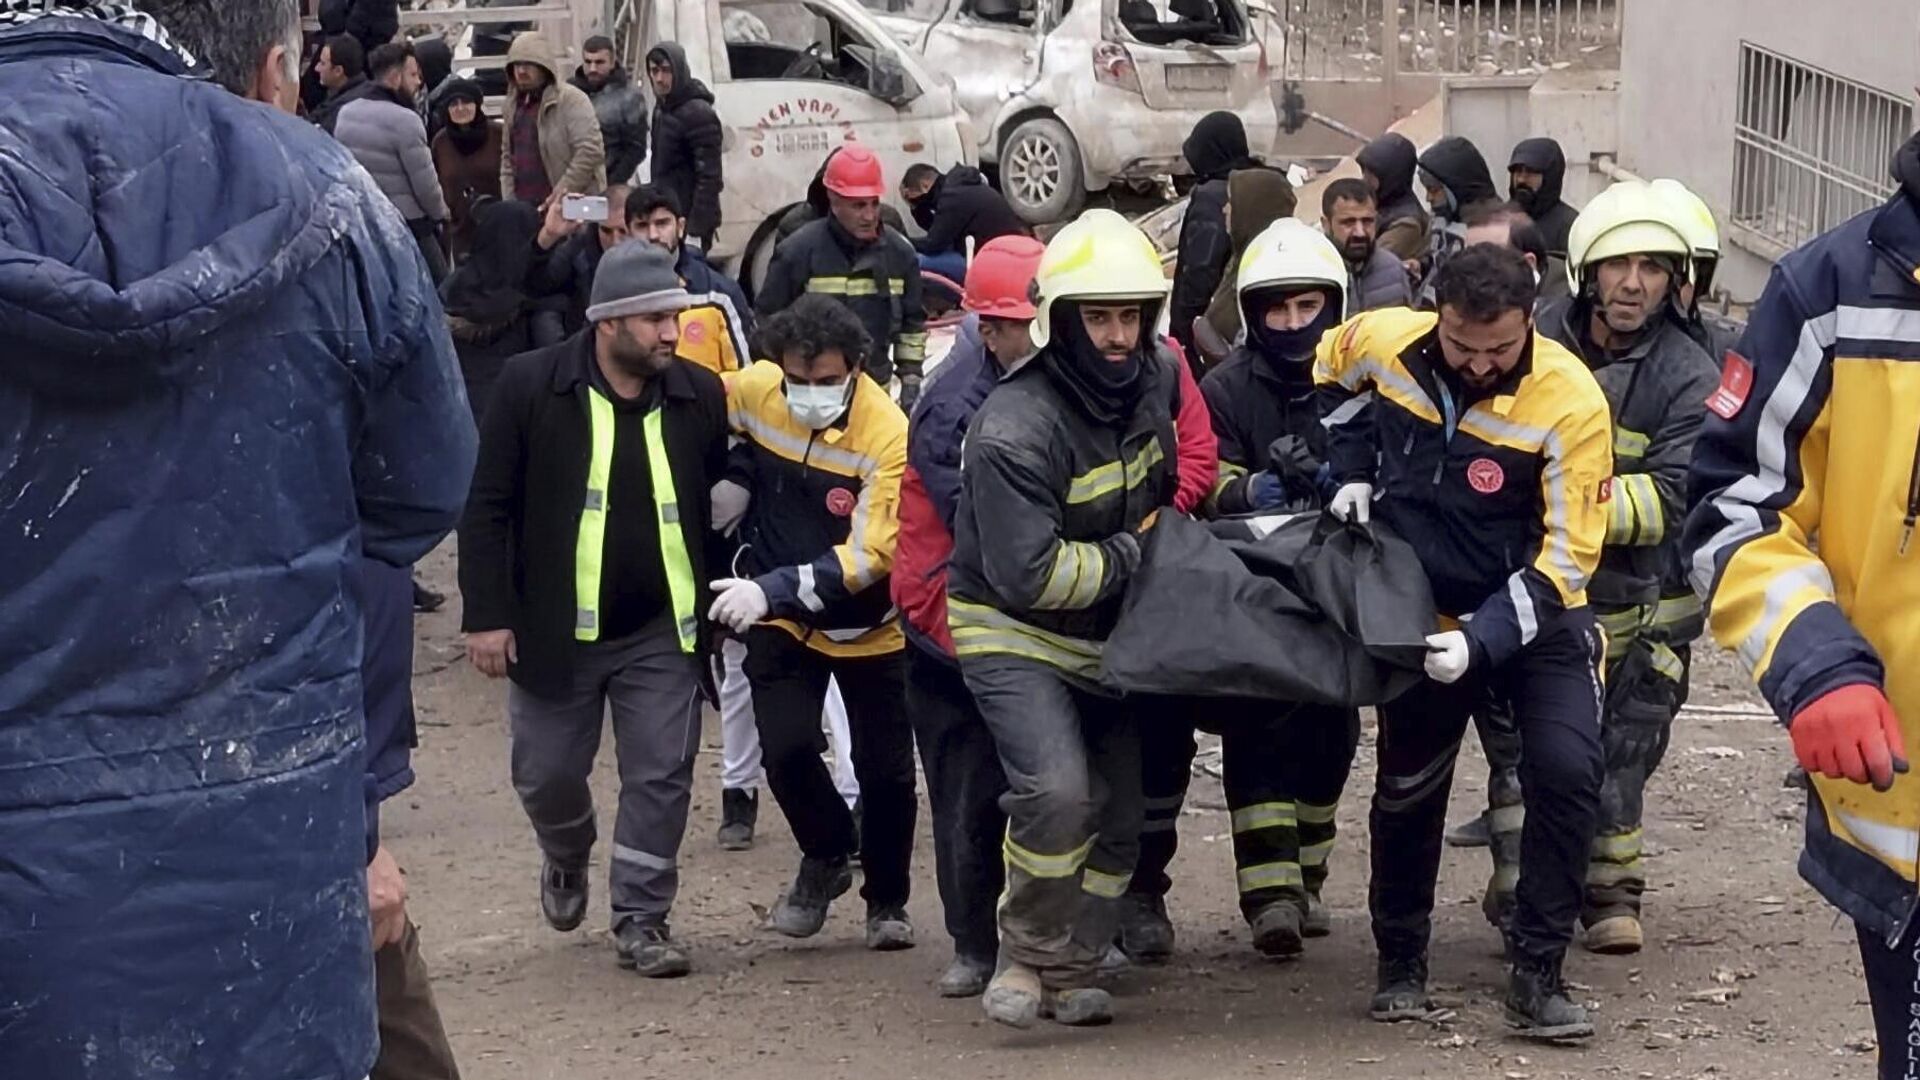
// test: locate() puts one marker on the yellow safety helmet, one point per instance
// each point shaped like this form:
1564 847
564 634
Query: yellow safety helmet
1100 256
1629 218
1700 229
1292 252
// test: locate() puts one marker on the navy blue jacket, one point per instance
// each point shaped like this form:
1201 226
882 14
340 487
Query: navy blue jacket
224 376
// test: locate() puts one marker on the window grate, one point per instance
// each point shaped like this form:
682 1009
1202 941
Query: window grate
1811 148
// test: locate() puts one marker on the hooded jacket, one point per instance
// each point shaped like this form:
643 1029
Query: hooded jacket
1403 220
622 110
225 378
965 206
1259 198
1456 163
1549 212
1214 149
390 142
570 143
687 144
1813 432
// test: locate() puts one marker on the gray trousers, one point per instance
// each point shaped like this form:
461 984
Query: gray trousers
653 691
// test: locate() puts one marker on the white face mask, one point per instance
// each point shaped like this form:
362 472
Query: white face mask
817 407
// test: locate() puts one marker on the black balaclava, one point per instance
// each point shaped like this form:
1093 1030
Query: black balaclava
1108 391
1289 351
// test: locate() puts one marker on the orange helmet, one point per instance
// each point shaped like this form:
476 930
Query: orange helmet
853 171
1000 281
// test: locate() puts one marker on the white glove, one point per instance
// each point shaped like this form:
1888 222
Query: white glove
730 502
1353 502
738 603
1447 656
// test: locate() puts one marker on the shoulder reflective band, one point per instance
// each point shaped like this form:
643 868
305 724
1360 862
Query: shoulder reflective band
593 520
673 539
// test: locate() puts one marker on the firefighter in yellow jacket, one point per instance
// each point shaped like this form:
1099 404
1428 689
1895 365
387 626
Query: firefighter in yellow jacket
1489 448
1813 433
821 451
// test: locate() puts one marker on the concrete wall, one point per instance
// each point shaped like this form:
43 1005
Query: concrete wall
1680 73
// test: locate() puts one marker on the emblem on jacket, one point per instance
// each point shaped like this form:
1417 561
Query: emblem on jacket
1486 476
840 502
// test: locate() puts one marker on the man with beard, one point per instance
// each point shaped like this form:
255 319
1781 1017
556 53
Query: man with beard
619 104
553 145
386 136
1388 164
466 156
1456 177
1066 463
583 566
1376 278
687 137
1535 175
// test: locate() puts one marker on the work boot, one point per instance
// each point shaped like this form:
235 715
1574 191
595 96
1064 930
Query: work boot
965 977
649 950
1617 935
1013 996
1537 1003
1472 833
1318 921
1276 930
425 600
889 929
1402 993
1084 1007
1114 962
802 910
739 810
1146 934
563 896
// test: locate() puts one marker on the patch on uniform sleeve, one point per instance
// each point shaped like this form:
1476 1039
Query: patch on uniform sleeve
1736 382
1486 476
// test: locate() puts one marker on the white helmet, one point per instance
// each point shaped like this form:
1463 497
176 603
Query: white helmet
1630 218
1100 256
1292 252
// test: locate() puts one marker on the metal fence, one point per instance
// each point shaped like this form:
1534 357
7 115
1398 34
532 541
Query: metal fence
1347 40
1810 148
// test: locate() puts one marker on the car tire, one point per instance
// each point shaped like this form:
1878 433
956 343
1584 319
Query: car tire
757 259
1040 172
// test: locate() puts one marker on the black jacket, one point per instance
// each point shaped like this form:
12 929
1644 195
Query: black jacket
1253 402
686 145
1553 216
622 111
965 206
1403 220
521 525
372 22
1204 251
879 282
329 111
1456 163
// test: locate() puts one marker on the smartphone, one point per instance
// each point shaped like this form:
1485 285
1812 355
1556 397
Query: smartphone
584 208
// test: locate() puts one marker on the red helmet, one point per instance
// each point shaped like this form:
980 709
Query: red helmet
1000 281
853 171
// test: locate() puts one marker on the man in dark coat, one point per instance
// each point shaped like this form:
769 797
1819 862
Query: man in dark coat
342 68
686 141
372 22
1538 169
952 208
619 105
1216 147
268 395
1388 164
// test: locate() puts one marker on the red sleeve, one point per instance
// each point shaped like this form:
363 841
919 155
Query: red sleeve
1197 447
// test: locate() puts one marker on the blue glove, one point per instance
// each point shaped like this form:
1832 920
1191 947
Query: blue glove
1266 491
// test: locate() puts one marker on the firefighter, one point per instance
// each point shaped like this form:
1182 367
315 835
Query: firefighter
854 257
1812 434
821 452
964 777
1628 255
1488 447
1066 463
1285 765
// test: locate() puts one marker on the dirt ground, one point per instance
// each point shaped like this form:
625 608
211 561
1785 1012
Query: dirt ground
1747 973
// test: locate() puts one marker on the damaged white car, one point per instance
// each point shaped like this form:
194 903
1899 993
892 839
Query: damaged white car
1069 96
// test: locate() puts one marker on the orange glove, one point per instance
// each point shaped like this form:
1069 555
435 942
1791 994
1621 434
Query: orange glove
1850 734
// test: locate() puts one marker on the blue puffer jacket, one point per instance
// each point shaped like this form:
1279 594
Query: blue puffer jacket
223 373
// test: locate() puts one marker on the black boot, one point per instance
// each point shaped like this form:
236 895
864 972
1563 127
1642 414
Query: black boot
739 812
425 600
802 910
1146 934
1537 1003
1402 993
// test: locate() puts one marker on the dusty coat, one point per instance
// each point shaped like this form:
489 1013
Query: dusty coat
570 141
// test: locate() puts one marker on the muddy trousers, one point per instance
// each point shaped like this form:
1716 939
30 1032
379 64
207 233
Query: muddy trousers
652 690
1283 772
1072 761
965 784
1554 688
1893 986
789 689
413 1041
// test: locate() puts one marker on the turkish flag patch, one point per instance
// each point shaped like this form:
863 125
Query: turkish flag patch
1736 382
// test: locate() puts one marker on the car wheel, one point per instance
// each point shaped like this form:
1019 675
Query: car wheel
758 258
1040 171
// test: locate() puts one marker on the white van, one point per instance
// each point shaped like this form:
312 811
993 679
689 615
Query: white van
1068 96
791 80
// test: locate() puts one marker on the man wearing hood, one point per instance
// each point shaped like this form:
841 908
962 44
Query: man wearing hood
1811 435
619 104
1256 198
552 135
466 157
1376 277
436 71
1535 175
686 140
269 397
1456 177
386 136
1215 148
1388 164
954 207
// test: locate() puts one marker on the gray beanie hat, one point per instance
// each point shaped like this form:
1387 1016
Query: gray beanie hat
636 278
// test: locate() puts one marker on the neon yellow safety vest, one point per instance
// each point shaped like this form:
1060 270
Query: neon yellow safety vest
593 526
